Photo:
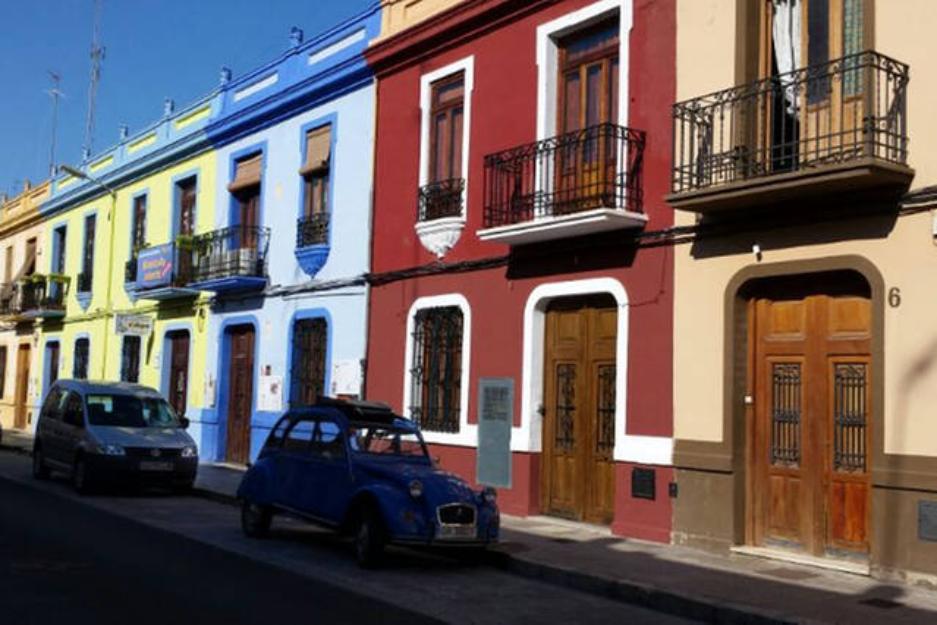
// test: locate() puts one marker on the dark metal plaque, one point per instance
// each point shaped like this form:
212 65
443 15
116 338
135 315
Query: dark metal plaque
927 520
643 483
495 418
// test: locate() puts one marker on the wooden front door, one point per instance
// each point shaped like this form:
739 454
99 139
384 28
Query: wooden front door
22 386
178 371
810 461
240 393
588 101
578 477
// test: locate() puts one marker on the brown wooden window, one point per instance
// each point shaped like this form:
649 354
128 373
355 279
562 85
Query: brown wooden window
447 114
52 361
8 265
80 363
187 196
316 173
30 262
130 359
3 370
307 372
436 370
86 278
246 189
139 223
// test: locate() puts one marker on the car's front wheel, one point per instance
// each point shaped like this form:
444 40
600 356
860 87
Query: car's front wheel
255 519
40 470
369 538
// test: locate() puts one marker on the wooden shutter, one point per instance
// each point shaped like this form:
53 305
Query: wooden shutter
247 173
318 150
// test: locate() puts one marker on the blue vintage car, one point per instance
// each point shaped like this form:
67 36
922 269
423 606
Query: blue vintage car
359 468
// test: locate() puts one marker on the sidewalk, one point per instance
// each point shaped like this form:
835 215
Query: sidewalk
667 578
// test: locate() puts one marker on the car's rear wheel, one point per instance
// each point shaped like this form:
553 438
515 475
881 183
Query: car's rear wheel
370 538
40 470
255 519
82 479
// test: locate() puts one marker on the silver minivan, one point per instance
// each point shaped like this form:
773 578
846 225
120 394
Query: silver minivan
107 432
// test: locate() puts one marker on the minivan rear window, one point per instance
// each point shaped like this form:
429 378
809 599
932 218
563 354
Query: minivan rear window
129 411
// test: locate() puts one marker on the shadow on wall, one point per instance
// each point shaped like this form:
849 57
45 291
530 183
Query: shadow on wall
614 250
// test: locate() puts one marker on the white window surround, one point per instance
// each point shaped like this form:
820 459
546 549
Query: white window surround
548 54
467 436
528 437
440 235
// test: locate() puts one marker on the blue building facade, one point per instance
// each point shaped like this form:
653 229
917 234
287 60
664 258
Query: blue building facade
294 144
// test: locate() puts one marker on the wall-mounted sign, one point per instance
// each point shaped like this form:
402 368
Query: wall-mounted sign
495 418
346 378
154 266
270 397
133 325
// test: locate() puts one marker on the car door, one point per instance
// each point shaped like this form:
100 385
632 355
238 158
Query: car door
329 490
49 428
72 426
291 465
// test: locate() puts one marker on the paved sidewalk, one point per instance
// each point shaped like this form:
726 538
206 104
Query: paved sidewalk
16 440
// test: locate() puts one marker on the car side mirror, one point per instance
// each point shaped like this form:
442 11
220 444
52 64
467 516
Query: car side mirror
184 423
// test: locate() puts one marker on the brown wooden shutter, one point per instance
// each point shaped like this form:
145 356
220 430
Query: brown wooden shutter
247 173
318 150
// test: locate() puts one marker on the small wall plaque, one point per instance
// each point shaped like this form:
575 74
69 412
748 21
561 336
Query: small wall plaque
927 520
643 483
495 417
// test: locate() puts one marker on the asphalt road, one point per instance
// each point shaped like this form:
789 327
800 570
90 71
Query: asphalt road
155 558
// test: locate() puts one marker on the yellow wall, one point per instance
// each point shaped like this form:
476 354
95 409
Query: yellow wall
906 256
398 15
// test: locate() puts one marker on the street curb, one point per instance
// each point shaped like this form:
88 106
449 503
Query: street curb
16 450
706 609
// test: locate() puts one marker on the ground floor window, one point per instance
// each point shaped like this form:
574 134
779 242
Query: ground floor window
80 364
52 358
130 360
436 369
307 372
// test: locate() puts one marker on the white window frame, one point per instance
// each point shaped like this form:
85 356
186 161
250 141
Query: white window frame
467 436
467 66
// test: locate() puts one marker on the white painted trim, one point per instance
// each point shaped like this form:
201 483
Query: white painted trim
547 53
256 87
331 50
467 436
528 437
466 65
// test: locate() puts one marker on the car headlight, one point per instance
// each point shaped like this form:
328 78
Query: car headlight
112 450
490 495
416 489
189 451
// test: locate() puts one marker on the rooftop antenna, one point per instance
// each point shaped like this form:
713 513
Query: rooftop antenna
97 55
55 93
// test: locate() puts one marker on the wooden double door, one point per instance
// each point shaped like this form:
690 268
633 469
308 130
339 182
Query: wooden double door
810 449
578 473
240 393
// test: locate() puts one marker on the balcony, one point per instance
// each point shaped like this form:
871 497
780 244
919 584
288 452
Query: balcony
580 183
230 259
440 215
312 242
162 272
818 130
41 297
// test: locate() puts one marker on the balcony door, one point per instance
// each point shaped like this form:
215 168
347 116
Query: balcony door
588 103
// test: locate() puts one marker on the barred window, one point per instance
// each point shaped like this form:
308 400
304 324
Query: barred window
307 373
80 365
436 370
130 360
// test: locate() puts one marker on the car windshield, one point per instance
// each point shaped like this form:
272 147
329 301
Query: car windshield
130 411
385 440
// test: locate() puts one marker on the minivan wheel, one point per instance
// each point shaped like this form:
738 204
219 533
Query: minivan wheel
255 519
40 470
81 478
369 539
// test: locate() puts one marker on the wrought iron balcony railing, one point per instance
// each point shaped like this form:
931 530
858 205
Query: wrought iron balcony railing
9 299
85 280
42 293
441 199
236 251
312 230
597 167
832 113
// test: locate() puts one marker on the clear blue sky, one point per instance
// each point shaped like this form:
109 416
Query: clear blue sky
154 49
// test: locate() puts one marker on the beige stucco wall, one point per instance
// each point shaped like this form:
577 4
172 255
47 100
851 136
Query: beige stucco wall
398 15
906 255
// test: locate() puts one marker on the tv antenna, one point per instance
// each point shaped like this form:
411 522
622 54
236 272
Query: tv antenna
55 93
97 55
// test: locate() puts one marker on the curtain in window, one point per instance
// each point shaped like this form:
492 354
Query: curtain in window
785 30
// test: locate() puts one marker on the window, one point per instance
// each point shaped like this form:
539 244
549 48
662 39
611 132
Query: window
3 370
8 265
139 224
58 250
299 437
87 258
73 413
52 407
328 443
80 365
314 226
52 361
187 196
446 115
276 436
130 359
30 263
436 370
246 191
307 374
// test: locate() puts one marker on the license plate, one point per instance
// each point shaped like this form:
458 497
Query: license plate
457 531
147 465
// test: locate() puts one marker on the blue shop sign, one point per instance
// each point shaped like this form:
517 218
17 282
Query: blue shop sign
154 266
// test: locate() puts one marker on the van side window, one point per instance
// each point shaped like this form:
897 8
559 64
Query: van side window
52 407
73 413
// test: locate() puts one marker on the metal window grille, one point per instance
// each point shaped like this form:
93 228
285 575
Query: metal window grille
605 411
786 400
312 230
441 199
307 373
80 365
436 370
236 251
564 435
850 418
130 359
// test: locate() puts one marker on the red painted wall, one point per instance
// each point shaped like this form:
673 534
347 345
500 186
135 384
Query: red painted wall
504 110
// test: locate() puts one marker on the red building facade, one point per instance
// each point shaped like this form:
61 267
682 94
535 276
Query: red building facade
522 159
